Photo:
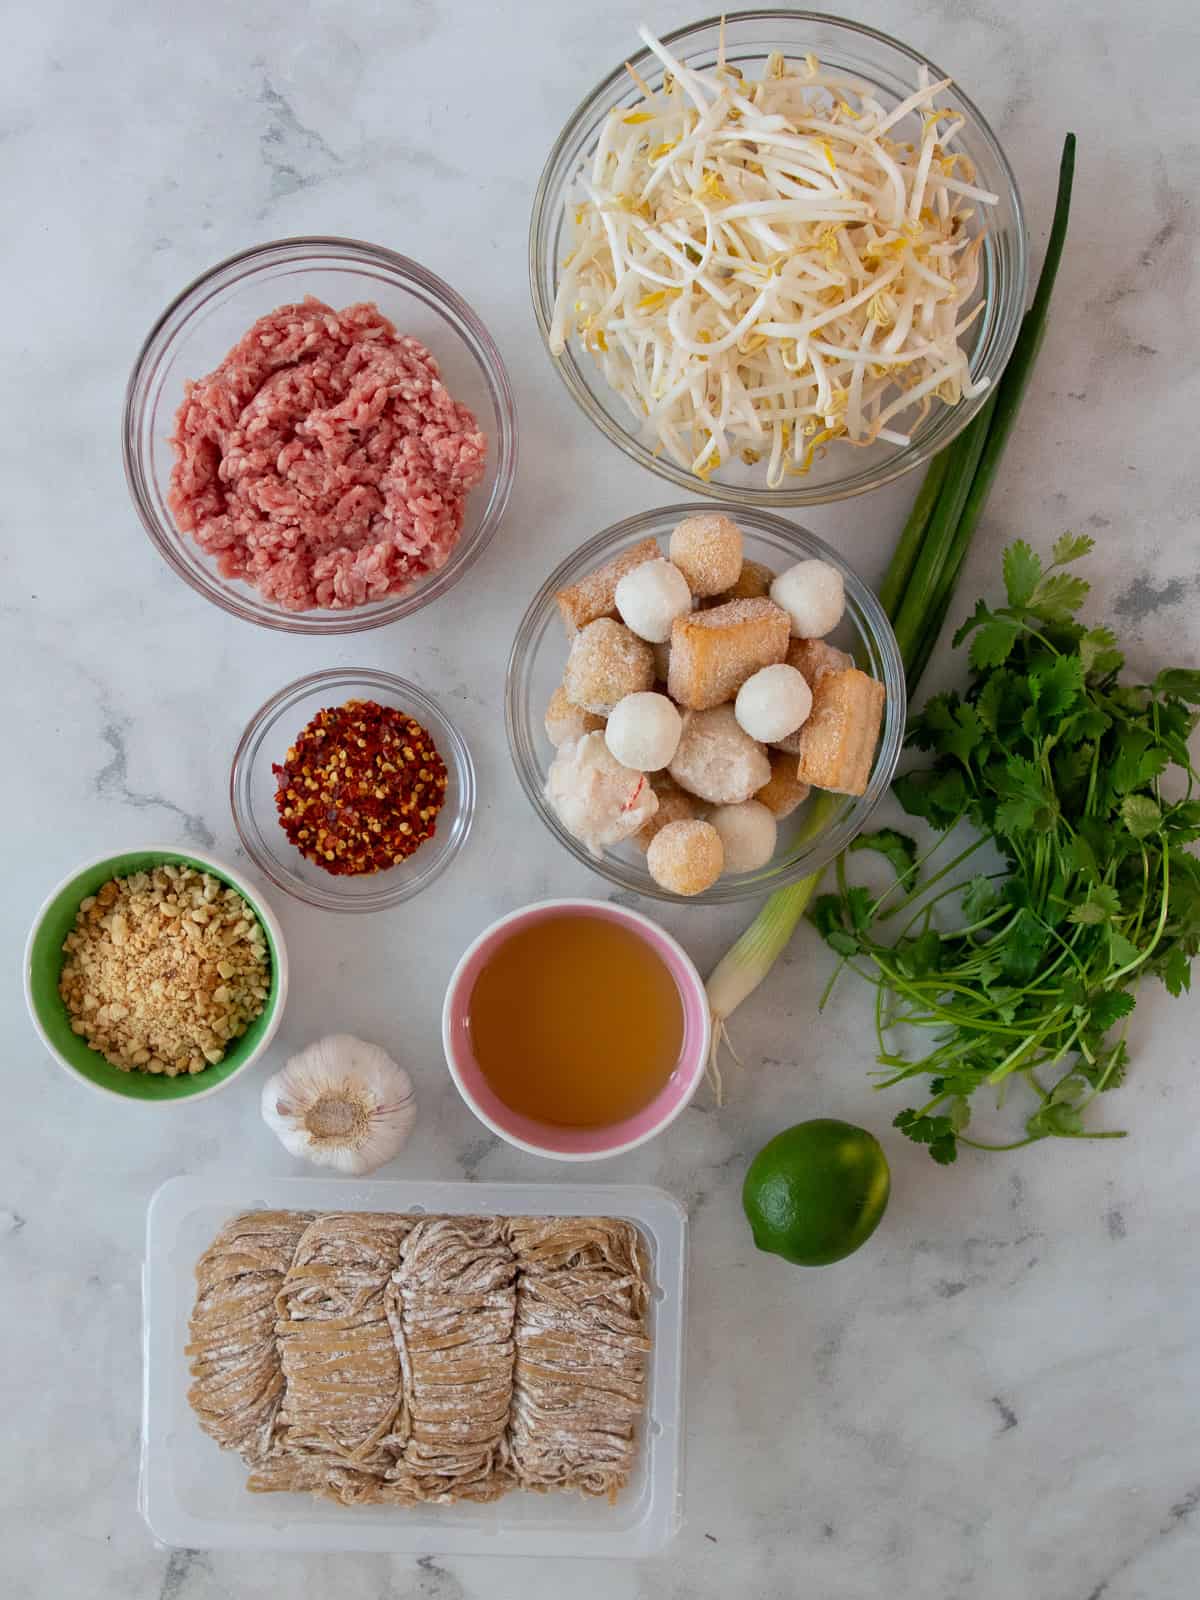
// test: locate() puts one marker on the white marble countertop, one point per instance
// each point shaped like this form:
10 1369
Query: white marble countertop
998 1398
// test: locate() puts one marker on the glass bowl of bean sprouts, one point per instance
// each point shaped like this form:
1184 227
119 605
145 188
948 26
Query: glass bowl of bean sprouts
778 258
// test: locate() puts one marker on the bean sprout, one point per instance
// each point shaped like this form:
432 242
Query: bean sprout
759 267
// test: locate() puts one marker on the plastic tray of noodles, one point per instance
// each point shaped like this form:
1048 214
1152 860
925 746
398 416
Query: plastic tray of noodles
193 1494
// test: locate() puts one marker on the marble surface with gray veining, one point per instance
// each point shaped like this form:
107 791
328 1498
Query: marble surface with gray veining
998 1398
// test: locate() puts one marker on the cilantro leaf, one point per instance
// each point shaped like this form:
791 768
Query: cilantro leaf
1071 547
1022 573
1055 1121
1176 972
938 797
1001 702
992 645
1111 1066
1027 939
1099 653
1056 686
859 903
1140 815
1089 722
1083 858
979 900
1069 1091
1102 904
1139 760
951 728
828 918
897 848
919 956
1026 805
1121 951
1107 1009
1183 683
981 614
1059 596
1182 821
936 1132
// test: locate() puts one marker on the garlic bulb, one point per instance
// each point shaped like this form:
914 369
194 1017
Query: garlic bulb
341 1103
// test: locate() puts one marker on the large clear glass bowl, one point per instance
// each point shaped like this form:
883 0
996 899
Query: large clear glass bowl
253 786
539 654
893 69
203 324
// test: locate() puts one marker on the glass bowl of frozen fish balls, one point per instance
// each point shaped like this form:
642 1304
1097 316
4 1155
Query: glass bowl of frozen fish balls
740 623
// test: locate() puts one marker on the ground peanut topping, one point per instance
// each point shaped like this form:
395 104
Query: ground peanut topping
164 969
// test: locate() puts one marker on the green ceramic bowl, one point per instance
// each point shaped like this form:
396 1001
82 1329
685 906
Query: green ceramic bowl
44 960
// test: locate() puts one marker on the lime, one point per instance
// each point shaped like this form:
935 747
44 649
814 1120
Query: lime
816 1192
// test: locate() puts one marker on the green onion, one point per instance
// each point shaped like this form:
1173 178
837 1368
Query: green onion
743 967
895 580
995 421
916 593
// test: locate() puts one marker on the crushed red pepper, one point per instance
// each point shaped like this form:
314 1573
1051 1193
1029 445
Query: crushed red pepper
361 788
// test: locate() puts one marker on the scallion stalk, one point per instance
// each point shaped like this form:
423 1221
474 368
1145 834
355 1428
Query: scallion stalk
895 580
916 593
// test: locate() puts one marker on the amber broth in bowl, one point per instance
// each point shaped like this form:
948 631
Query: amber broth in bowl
576 1021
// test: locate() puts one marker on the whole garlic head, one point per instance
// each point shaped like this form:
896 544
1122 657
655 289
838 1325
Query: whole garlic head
341 1103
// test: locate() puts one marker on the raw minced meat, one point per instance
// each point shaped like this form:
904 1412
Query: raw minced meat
324 460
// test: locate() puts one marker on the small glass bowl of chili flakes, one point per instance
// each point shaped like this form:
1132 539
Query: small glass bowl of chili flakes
352 790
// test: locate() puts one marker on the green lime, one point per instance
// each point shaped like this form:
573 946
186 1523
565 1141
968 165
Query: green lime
816 1192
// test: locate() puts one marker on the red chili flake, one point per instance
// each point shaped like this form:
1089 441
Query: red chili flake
361 788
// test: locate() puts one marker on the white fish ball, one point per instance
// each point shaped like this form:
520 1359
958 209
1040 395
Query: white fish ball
748 834
814 597
773 702
643 731
650 597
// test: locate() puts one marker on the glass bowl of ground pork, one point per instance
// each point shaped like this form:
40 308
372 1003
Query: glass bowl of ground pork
320 436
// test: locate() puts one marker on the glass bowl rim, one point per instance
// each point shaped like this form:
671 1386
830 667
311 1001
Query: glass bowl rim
169 326
457 755
896 466
821 849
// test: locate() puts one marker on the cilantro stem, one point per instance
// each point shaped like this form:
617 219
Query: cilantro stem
1017 1144
919 893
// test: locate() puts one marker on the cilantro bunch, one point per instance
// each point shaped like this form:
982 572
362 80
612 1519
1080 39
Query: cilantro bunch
1083 785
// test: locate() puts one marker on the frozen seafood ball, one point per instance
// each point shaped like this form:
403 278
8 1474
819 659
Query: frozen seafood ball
748 834
606 663
686 857
643 731
565 721
673 806
707 549
595 797
772 703
650 598
717 760
814 597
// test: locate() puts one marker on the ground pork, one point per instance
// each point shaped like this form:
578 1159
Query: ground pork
324 461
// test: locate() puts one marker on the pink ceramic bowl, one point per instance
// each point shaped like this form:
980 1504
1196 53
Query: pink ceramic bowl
550 1139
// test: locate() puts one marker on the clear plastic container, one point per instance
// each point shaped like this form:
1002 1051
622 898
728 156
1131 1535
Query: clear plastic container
193 1495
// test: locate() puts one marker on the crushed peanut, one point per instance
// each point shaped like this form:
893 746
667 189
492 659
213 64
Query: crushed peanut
164 970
